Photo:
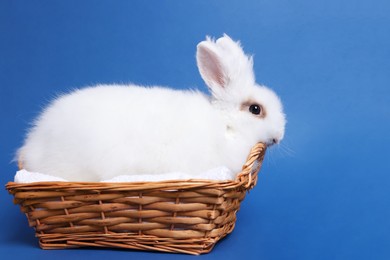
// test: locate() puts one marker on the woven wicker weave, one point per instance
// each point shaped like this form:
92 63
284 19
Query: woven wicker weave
171 216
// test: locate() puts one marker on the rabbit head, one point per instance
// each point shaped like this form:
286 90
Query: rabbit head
252 111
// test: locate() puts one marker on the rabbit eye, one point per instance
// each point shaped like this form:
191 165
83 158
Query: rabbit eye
255 109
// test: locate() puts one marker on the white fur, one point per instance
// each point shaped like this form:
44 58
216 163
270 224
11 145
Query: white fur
100 132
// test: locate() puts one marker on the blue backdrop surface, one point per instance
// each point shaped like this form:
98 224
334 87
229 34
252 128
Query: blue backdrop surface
322 194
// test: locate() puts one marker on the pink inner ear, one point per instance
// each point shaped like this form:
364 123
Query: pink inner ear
211 68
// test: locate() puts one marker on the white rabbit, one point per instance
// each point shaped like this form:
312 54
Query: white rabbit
100 132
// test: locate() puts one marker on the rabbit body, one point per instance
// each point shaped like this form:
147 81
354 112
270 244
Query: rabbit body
100 132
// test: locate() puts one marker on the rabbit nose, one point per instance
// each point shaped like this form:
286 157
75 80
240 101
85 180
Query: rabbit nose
273 141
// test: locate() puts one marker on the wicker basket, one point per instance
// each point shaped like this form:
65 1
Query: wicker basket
170 216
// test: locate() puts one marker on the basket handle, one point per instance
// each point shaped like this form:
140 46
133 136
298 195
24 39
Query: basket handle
253 164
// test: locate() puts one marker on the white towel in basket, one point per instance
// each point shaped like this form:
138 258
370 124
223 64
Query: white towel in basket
220 174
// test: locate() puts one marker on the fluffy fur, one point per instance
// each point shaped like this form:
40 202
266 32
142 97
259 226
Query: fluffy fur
100 132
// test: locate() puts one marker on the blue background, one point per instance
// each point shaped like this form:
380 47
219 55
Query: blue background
322 194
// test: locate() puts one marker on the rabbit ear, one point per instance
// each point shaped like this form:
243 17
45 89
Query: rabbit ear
210 65
224 66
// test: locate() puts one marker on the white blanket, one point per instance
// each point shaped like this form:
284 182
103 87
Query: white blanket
220 173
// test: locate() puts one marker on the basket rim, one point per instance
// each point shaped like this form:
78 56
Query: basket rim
246 178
